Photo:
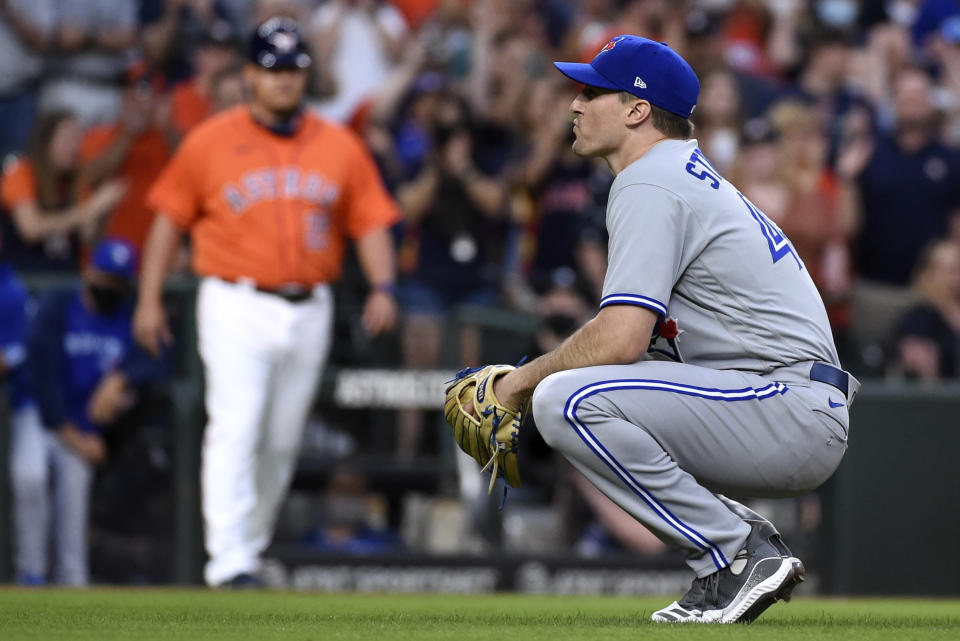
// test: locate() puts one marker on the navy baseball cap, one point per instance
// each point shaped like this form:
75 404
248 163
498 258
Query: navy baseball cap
647 69
276 44
115 257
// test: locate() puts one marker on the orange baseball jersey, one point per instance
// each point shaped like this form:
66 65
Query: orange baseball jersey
19 185
271 208
148 154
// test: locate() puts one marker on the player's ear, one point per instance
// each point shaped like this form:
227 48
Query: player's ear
639 112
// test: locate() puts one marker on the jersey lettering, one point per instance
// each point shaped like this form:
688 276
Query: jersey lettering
291 183
109 350
777 242
707 172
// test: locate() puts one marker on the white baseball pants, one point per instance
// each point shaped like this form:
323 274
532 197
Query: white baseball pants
262 358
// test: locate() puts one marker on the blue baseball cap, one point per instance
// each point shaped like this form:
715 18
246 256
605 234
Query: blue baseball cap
647 69
115 257
277 44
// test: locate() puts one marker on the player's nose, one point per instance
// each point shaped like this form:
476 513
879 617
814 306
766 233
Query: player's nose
576 106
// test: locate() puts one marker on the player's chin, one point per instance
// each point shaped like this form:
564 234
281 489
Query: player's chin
281 103
580 146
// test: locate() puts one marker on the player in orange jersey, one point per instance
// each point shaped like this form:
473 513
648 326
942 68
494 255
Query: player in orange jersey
269 193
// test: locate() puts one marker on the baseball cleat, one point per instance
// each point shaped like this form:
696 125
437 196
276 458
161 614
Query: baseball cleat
757 578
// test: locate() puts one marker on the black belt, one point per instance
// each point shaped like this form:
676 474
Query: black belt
831 376
292 293
289 293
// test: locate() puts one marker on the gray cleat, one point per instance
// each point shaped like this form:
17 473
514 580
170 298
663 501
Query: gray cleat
758 577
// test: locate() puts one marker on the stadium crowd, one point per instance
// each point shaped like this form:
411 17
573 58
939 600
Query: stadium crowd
839 119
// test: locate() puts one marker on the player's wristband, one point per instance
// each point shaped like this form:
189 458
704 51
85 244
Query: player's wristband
386 288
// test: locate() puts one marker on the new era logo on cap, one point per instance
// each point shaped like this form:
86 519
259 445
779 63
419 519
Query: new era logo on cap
645 68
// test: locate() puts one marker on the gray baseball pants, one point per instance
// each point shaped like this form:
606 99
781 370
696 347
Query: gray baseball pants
661 438
35 454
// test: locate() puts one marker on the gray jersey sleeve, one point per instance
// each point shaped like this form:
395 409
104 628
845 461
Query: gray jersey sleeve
647 228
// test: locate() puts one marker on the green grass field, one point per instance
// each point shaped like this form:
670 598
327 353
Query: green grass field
143 615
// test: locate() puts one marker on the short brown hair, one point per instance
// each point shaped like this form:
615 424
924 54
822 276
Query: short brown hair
669 124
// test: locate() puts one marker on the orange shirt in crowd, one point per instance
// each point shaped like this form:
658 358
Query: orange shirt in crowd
416 12
18 184
271 208
148 153
188 107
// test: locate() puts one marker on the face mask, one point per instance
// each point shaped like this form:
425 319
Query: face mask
837 13
106 300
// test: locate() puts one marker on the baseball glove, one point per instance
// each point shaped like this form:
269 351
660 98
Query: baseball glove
493 438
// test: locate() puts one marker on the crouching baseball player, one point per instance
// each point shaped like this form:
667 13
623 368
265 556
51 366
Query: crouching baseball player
709 368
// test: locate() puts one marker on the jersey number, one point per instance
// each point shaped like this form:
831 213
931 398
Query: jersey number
778 244
700 168
317 231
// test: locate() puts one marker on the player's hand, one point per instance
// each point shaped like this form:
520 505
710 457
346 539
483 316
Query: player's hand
379 313
94 449
111 398
150 327
504 391
89 446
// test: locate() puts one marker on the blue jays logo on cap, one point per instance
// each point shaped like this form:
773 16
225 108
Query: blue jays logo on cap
613 43
645 68
116 257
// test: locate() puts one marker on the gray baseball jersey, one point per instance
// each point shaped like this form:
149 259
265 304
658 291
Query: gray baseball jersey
686 244
728 404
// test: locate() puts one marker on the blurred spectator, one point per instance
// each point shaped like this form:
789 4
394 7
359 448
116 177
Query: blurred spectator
504 59
263 10
447 37
416 12
355 43
172 33
909 184
928 336
455 216
756 171
944 49
562 224
591 25
718 118
193 100
24 423
354 519
47 219
93 39
85 373
26 30
823 83
877 65
818 211
134 148
227 89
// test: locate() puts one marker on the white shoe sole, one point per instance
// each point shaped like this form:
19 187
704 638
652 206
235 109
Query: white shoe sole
777 587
